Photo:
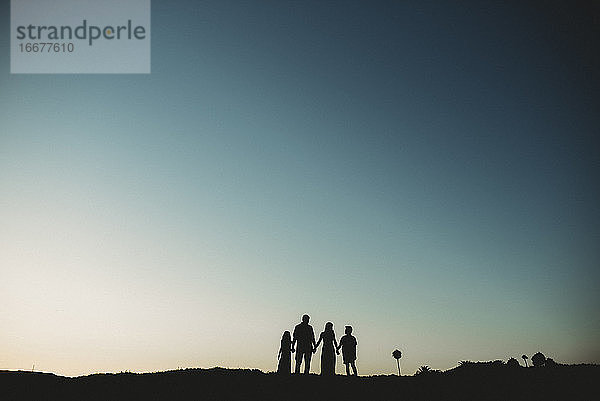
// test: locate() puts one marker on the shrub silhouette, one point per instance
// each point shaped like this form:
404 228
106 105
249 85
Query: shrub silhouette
426 371
513 363
472 366
538 359
423 370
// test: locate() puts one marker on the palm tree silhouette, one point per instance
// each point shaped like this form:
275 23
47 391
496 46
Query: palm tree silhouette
397 354
525 359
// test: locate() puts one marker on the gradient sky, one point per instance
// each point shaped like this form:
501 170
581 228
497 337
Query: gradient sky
427 172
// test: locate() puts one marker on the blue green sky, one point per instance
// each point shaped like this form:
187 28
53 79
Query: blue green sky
424 171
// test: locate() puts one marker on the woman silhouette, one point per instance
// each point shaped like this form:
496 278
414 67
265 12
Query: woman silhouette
285 354
328 351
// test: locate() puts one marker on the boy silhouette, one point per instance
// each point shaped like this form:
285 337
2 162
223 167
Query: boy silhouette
348 346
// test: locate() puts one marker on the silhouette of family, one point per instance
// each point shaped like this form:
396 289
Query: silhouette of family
302 342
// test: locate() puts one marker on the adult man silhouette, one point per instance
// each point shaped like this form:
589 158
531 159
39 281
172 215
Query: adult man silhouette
304 335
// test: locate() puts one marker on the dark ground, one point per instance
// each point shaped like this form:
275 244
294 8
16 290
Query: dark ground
579 382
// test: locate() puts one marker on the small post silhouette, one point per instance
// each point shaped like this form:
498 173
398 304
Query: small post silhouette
525 359
397 354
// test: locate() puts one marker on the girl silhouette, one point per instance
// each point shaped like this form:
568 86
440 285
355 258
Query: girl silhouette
285 354
328 351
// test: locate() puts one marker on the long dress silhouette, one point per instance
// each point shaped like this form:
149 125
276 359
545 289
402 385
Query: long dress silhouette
285 354
328 351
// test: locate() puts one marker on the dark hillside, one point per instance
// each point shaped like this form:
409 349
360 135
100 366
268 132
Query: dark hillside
484 382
